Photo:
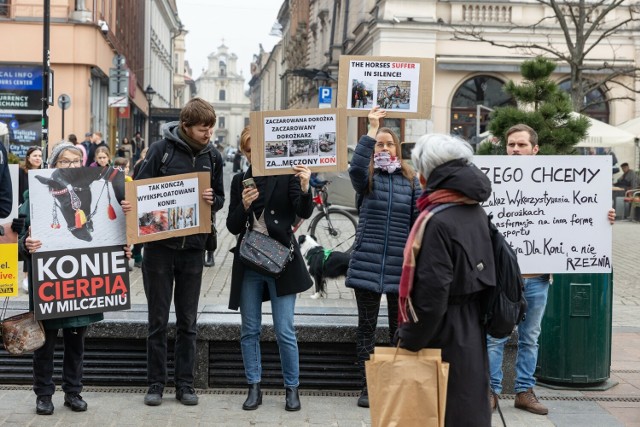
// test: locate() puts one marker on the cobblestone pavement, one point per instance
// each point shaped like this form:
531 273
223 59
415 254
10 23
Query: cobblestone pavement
618 406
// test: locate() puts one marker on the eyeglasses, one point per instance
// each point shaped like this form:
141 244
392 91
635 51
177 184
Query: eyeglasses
66 163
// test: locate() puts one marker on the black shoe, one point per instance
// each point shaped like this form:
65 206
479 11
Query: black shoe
75 402
363 400
187 396
154 395
292 399
208 259
44 405
137 264
254 398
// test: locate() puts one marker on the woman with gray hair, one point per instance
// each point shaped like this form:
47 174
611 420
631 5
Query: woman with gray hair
448 265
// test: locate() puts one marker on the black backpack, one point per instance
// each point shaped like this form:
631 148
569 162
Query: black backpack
505 306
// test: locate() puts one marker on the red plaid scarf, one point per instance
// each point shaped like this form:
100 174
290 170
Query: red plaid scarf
425 204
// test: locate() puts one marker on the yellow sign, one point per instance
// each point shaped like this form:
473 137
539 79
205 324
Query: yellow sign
8 270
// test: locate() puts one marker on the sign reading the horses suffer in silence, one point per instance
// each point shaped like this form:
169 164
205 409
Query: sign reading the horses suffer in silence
402 86
282 139
77 282
168 207
552 210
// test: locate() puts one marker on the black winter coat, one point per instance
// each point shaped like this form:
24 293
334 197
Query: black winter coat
183 161
283 201
385 219
454 267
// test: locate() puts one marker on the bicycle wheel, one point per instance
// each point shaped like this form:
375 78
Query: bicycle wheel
335 230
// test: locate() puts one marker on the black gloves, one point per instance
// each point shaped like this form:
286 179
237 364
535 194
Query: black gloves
17 225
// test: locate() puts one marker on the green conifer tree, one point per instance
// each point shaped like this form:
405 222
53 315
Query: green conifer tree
542 105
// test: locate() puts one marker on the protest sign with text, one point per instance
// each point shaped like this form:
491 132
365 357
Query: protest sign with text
282 139
552 210
402 86
77 282
9 244
168 207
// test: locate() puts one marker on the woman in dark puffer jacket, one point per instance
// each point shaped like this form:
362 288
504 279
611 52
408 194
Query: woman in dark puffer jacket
388 188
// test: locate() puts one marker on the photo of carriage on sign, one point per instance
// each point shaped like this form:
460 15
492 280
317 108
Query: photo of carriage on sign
283 139
402 86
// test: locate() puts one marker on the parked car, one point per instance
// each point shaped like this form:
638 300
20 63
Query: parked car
341 191
229 153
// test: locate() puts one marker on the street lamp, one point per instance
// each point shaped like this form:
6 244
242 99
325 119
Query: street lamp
149 94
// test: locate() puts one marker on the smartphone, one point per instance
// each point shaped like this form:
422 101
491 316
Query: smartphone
249 183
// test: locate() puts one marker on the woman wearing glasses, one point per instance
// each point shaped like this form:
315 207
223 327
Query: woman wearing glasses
388 188
64 155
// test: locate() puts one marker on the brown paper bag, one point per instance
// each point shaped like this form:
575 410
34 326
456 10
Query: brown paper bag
406 388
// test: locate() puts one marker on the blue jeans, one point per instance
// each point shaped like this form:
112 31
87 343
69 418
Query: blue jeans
536 290
282 308
161 267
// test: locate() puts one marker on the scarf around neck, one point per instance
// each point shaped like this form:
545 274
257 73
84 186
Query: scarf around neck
425 203
386 162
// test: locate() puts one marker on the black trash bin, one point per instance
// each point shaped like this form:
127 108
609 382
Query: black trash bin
575 342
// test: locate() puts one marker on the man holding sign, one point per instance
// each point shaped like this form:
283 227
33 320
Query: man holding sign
185 148
522 140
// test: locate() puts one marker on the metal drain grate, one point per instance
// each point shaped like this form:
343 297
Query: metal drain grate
625 371
209 391
578 398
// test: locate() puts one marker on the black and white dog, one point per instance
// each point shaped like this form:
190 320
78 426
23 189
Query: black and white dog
322 263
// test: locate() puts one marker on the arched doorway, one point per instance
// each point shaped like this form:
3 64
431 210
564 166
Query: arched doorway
596 102
482 90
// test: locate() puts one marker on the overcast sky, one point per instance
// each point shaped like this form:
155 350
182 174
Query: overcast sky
243 24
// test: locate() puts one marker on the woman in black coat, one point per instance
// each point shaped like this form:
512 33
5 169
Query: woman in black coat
452 265
270 207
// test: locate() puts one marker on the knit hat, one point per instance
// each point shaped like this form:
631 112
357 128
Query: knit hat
63 145
88 134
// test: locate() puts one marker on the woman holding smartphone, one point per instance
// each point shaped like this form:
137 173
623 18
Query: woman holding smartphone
269 204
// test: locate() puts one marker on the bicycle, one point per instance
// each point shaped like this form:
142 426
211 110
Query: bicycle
333 227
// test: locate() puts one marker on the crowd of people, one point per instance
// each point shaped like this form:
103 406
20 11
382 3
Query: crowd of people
444 293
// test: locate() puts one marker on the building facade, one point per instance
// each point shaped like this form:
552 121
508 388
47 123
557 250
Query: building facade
468 76
222 85
102 54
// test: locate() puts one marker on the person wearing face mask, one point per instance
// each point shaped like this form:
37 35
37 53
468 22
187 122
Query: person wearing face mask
388 188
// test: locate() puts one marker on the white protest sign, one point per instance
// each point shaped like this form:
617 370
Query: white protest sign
315 138
552 210
168 207
402 86
300 140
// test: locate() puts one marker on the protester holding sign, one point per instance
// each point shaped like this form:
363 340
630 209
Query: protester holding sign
185 148
268 205
522 140
388 189
74 329
448 264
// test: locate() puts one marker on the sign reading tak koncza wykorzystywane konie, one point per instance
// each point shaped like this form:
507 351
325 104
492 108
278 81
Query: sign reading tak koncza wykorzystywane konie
552 210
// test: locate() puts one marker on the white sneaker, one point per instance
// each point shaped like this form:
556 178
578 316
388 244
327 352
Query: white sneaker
316 295
25 284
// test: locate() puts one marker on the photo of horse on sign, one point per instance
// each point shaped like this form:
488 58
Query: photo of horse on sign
77 207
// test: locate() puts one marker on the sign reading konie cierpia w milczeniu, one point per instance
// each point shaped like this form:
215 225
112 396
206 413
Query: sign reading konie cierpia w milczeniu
81 267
